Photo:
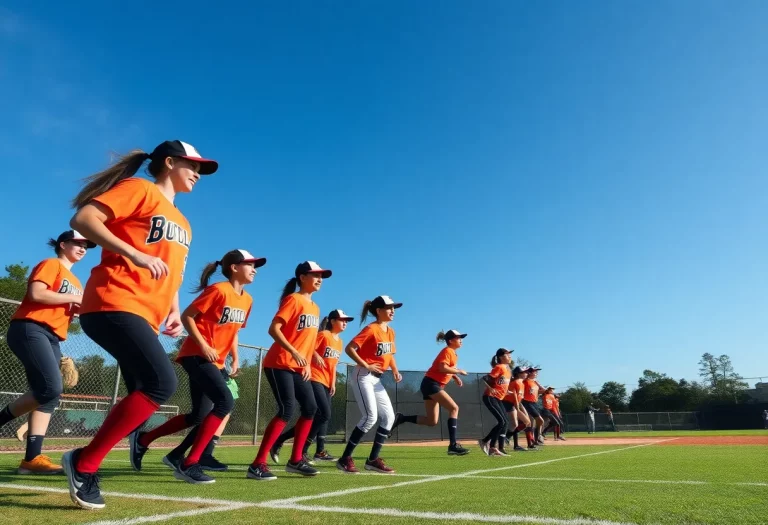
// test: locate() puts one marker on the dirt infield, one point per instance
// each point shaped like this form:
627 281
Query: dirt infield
717 440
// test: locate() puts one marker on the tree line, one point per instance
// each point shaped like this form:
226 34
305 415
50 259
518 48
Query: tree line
657 392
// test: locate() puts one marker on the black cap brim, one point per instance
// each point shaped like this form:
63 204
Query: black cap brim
207 166
323 273
257 262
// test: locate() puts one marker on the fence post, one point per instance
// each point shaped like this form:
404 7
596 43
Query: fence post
258 395
669 421
117 387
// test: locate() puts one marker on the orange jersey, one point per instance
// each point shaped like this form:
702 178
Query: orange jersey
448 356
501 375
531 390
557 406
222 313
329 348
301 318
149 222
55 316
519 388
375 346
548 401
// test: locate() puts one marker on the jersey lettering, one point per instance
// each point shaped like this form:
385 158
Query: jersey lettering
330 353
308 321
232 315
68 287
163 229
383 349
501 380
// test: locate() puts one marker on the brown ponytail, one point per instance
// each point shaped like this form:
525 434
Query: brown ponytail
289 288
325 324
205 277
494 361
367 310
440 337
53 244
125 167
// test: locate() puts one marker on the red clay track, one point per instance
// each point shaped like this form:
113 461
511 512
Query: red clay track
719 440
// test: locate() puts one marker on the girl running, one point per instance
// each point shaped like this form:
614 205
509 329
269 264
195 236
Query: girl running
288 370
530 402
134 289
548 412
373 349
37 327
324 361
443 369
523 418
497 383
212 322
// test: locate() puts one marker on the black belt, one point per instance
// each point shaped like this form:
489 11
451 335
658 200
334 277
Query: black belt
376 374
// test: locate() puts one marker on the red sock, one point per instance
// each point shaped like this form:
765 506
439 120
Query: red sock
125 417
173 425
271 433
529 436
557 431
520 427
303 425
204 434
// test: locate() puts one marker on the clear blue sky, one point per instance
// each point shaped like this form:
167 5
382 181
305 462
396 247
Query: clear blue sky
582 183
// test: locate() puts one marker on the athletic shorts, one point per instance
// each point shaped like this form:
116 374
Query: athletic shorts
509 406
531 408
429 387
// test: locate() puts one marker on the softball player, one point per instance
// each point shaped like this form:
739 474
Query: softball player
517 416
497 384
37 327
530 402
443 369
134 289
324 361
373 349
288 370
524 419
212 322
548 412
559 416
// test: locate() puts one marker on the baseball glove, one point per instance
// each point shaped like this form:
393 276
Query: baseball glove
69 373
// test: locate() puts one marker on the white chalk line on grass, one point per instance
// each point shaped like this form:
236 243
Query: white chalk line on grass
346 492
171 515
458 516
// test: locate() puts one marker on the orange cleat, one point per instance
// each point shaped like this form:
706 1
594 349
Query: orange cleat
40 465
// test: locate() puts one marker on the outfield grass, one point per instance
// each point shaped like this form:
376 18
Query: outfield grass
571 484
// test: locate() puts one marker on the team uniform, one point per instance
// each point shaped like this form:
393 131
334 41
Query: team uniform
375 346
34 336
492 399
223 312
548 412
301 318
518 387
123 307
329 348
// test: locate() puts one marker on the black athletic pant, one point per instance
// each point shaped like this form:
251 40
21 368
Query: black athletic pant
207 388
288 388
133 343
319 424
37 347
553 419
496 409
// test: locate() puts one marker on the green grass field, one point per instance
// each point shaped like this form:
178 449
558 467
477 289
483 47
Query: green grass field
560 485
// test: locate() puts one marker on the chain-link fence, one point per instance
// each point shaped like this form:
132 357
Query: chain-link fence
84 407
634 421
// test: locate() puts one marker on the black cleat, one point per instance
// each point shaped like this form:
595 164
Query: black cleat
137 451
209 462
302 467
172 462
274 453
192 474
260 472
457 450
83 488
